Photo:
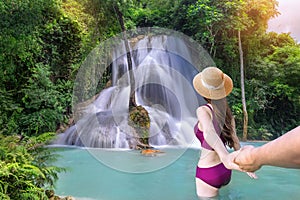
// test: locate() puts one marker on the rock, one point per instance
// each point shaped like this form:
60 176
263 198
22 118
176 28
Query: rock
50 193
68 198
55 198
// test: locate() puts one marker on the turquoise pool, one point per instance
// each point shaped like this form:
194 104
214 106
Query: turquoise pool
127 175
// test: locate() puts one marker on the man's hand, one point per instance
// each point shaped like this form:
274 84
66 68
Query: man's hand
245 159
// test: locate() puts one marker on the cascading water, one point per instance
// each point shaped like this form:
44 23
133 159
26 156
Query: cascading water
163 68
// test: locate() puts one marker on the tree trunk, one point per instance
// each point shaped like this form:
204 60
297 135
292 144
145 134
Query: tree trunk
132 101
245 125
142 141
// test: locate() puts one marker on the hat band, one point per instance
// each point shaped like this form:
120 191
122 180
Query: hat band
211 87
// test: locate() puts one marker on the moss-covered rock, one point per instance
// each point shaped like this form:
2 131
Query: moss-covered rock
139 119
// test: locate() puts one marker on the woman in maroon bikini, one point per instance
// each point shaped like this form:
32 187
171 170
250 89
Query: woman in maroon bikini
215 129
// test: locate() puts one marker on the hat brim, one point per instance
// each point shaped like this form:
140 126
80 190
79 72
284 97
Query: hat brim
213 94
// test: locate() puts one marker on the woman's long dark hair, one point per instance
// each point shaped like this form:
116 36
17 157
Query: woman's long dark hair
225 119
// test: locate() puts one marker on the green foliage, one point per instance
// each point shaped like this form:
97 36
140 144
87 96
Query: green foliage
208 18
37 59
21 17
8 111
26 167
61 45
153 13
19 47
96 17
260 12
43 102
282 72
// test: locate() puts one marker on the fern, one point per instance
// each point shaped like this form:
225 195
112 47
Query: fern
26 168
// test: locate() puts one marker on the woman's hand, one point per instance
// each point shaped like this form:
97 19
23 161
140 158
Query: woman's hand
229 163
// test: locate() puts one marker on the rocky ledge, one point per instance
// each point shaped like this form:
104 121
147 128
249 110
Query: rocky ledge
51 195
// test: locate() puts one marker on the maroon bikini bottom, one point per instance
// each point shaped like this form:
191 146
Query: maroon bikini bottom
216 176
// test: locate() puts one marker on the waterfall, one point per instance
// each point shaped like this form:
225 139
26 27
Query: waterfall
164 64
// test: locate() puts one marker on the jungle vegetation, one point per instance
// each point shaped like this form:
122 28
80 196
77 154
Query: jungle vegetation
44 42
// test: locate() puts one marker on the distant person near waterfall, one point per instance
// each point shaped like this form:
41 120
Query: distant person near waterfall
215 129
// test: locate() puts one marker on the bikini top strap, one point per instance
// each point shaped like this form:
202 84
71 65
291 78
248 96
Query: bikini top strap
209 107
215 123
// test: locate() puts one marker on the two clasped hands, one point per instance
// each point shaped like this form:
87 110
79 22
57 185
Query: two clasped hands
242 160
281 152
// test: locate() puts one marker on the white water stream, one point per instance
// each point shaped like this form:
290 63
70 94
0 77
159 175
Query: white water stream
163 69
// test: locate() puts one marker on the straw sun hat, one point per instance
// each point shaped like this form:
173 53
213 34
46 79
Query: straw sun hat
212 83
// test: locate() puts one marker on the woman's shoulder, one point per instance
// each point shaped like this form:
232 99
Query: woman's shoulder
204 109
